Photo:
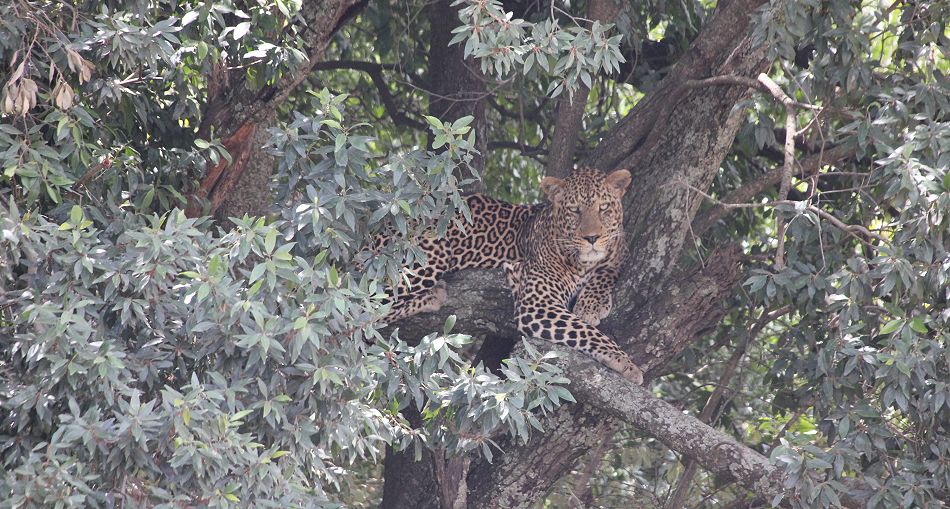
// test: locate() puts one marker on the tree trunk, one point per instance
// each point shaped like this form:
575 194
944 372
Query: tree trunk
569 120
456 90
240 118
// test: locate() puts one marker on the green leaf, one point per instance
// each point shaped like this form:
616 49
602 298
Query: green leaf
435 123
149 196
76 215
449 323
918 325
240 415
203 291
844 426
462 122
241 30
202 50
892 326
270 240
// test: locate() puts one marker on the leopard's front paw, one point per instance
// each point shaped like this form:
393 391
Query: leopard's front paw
633 374
627 369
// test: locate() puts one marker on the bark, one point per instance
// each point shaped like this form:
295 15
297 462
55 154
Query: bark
568 123
407 482
674 138
240 118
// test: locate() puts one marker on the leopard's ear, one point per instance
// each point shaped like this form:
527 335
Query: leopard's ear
551 187
618 181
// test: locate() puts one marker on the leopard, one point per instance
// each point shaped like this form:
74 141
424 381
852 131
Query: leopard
561 259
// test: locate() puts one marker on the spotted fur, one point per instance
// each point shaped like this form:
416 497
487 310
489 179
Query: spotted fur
561 259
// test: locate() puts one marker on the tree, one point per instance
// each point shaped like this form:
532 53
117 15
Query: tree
786 293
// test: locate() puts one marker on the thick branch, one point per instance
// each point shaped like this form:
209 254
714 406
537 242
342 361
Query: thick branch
457 90
235 105
714 450
567 127
375 72
240 117
717 45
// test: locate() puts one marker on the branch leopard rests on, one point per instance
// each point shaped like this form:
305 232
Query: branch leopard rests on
561 259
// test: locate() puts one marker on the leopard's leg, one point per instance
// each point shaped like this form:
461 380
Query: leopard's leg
542 314
560 326
413 303
420 290
594 299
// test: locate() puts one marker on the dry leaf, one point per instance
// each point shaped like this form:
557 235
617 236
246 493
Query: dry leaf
85 73
74 60
17 73
26 98
63 95
9 92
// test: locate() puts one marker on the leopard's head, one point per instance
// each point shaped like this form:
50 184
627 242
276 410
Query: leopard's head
587 212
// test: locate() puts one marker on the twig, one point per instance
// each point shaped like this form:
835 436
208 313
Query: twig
766 84
809 166
851 229
727 80
788 164
788 425
375 72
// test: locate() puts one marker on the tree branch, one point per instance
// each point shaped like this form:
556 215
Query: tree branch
240 117
851 229
526 150
811 165
714 450
375 72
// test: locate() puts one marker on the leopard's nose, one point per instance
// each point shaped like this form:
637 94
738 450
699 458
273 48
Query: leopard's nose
591 238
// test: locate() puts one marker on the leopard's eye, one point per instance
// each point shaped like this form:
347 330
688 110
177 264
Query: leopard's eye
604 207
574 209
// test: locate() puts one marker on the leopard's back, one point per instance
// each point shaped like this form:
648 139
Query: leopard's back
491 239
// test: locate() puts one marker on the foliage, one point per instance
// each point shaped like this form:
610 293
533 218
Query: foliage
156 359
862 356
500 42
